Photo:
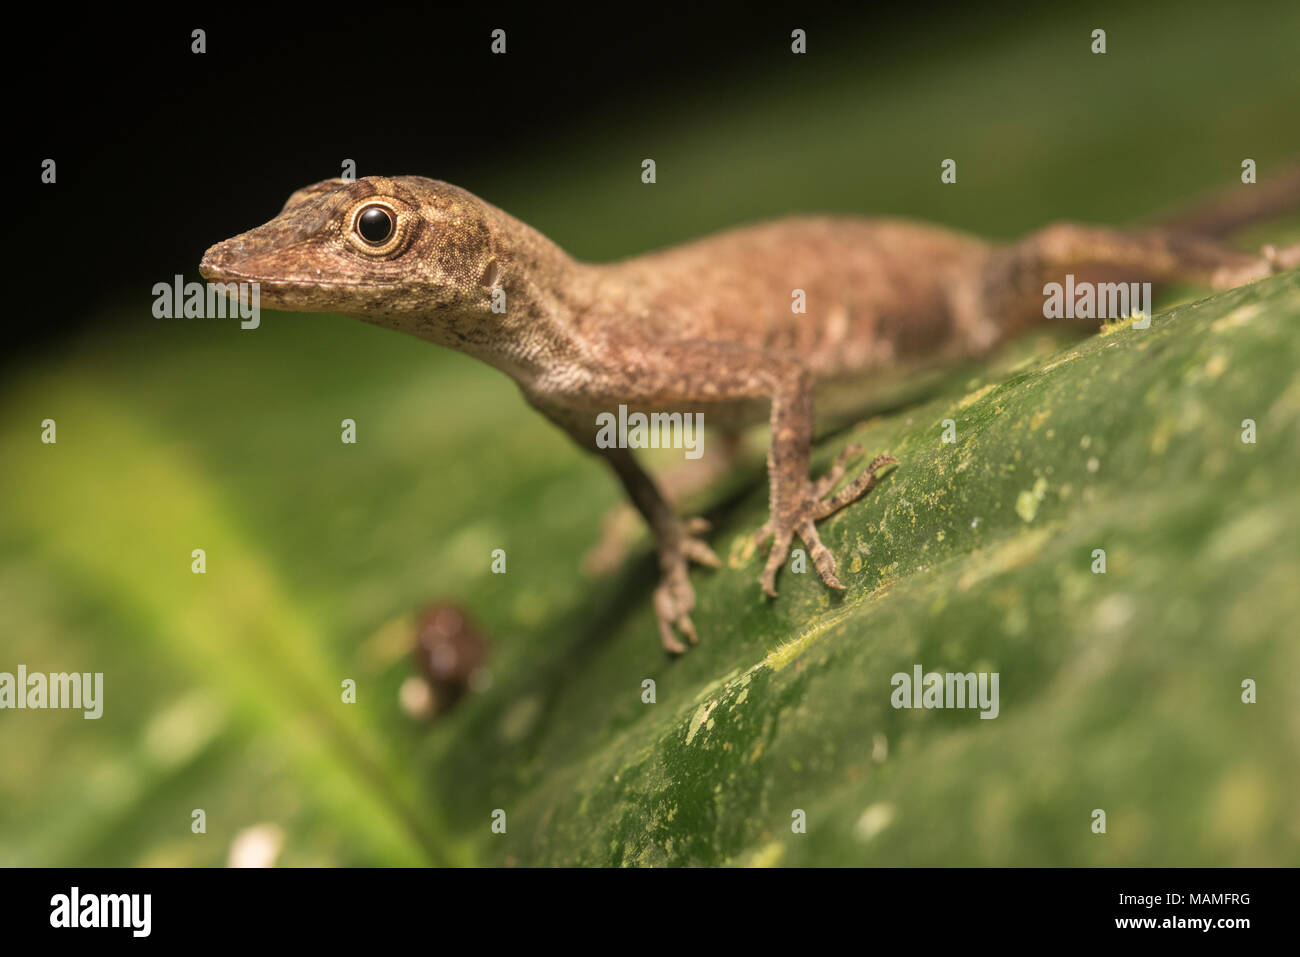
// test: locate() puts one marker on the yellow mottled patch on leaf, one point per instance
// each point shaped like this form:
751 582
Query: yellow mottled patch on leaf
973 397
1238 317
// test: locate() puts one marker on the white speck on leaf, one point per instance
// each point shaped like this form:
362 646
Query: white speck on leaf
873 820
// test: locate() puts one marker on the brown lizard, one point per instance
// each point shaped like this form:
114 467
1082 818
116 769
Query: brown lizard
704 327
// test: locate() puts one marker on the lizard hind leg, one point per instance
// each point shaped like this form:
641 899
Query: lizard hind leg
1013 287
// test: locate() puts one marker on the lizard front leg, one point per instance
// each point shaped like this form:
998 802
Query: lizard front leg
676 545
727 373
676 541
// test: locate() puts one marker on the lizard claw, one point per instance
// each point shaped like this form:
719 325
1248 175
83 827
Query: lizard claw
697 551
698 525
694 548
799 516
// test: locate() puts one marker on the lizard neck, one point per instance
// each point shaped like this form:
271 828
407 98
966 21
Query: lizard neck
539 326
549 299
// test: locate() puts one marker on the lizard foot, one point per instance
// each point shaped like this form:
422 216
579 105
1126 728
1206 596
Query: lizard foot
799 516
674 599
1271 261
1280 260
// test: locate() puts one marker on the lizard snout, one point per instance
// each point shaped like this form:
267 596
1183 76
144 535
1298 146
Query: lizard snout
218 263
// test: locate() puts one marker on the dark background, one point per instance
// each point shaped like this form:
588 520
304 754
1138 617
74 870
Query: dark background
162 152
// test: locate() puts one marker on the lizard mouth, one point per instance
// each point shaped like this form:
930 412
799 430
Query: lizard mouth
294 292
222 263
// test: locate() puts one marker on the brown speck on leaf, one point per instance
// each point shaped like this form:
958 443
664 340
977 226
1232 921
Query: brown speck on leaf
449 651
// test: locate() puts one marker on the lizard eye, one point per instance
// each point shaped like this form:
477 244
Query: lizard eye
375 225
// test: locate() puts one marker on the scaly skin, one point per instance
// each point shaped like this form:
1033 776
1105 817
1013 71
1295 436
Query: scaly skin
704 327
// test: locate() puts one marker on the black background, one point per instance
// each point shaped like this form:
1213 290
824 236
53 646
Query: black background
600 910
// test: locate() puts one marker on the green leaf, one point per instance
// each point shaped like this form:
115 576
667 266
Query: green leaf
1119 691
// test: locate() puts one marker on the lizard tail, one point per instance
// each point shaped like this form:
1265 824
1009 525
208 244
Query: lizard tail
1238 206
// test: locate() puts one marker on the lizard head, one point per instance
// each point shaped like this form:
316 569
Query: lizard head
406 252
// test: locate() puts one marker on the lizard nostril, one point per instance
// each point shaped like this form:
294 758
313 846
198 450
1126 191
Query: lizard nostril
490 275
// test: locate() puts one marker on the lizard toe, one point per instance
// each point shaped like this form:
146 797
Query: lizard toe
836 472
860 486
775 559
697 551
822 558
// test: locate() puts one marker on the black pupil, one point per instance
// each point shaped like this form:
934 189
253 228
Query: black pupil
375 225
